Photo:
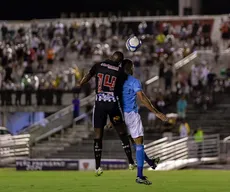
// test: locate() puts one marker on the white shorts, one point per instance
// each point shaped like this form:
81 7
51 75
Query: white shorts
134 124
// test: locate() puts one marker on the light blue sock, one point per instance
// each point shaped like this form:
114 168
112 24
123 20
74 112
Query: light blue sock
140 160
146 158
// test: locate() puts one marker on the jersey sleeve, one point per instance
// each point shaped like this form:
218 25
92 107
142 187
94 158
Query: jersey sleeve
137 86
93 70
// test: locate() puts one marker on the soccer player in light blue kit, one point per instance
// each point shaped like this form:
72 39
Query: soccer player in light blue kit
132 90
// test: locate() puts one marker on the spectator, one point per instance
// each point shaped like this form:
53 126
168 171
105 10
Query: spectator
182 107
216 50
195 77
161 74
160 38
160 104
204 73
18 94
225 32
199 138
142 27
76 105
8 74
168 76
50 56
211 77
184 129
151 118
4 31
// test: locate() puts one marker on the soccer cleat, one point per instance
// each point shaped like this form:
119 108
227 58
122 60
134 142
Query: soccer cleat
156 161
132 166
143 180
98 172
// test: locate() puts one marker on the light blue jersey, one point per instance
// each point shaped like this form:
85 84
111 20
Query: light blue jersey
130 88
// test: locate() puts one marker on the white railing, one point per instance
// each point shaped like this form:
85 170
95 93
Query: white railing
183 152
226 149
177 66
186 61
13 147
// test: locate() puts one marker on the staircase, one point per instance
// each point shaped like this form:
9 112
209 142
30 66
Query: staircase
84 150
214 121
62 118
59 141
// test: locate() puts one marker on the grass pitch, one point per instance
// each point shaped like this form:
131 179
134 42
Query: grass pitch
114 181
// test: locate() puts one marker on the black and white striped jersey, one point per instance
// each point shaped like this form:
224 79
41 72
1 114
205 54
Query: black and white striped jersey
109 78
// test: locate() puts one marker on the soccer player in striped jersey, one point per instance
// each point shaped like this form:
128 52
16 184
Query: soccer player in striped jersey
132 90
109 77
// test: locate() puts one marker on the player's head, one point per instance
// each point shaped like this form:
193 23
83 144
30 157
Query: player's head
127 64
117 57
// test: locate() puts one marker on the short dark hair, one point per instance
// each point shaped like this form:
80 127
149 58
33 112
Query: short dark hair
127 65
117 56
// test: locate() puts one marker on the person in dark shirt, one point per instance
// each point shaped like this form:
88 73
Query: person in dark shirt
76 107
110 78
8 71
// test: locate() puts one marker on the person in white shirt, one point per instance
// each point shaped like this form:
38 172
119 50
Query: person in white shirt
204 74
195 76
184 129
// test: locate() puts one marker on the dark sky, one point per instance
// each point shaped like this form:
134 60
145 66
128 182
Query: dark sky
23 10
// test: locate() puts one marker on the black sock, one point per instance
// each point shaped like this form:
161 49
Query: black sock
97 152
126 146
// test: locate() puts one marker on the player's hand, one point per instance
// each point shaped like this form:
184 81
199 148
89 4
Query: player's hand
109 126
162 117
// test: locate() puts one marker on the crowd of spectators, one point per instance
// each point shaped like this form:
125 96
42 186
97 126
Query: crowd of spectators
33 53
200 87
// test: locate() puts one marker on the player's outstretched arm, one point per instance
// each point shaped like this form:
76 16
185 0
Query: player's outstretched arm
85 79
144 99
89 75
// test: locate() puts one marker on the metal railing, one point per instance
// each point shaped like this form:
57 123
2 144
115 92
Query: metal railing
226 149
186 61
181 152
13 147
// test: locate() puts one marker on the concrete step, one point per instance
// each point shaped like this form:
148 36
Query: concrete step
66 140
88 156
52 144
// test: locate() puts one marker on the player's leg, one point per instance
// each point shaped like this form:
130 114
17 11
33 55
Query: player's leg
152 162
134 125
99 121
117 119
131 166
121 130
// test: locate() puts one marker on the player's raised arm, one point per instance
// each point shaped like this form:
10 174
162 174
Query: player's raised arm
145 100
137 89
89 75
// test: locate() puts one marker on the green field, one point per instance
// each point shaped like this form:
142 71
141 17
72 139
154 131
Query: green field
114 181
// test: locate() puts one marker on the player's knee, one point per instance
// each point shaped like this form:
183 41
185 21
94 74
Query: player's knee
121 129
139 140
97 134
131 139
